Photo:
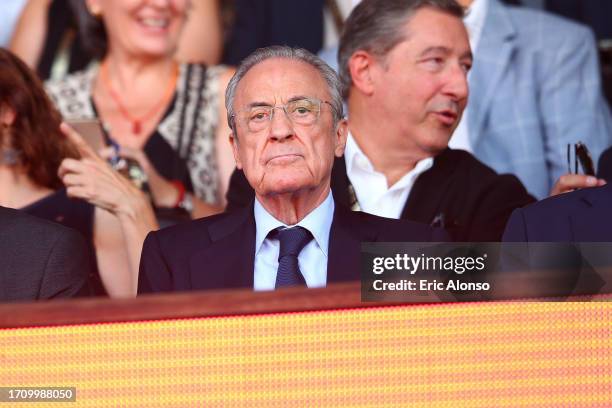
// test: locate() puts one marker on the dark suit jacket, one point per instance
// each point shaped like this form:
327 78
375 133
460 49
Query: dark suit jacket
40 259
567 220
579 216
218 252
458 193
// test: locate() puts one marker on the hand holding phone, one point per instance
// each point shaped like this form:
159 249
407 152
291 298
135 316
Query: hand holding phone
91 131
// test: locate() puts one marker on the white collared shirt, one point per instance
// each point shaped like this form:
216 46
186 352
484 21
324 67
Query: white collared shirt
313 258
474 21
371 189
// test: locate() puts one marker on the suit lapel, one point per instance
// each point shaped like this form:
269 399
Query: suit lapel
345 238
340 183
228 262
492 58
428 192
592 222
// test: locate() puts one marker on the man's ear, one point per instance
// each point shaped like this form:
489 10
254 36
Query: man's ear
234 142
341 135
360 68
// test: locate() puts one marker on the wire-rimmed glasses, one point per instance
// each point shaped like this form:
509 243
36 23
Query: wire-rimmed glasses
300 111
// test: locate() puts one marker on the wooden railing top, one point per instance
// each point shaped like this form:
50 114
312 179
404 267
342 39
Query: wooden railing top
204 304
179 305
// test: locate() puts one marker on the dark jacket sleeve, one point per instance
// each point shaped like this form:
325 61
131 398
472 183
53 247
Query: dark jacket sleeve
495 203
67 267
154 274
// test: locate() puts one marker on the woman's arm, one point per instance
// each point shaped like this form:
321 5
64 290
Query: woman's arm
201 39
164 193
123 218
30 32
111 255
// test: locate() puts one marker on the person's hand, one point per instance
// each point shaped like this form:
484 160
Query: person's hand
569 182
92 179
163 192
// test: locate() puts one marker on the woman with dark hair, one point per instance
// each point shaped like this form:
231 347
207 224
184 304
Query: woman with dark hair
36 152
168 117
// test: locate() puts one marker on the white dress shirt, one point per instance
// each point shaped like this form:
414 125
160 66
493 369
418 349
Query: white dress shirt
313 258
371 189
474 21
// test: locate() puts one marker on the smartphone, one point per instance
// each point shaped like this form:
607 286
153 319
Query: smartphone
91 130
584 157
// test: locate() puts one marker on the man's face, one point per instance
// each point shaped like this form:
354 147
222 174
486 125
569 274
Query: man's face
421 84
284 156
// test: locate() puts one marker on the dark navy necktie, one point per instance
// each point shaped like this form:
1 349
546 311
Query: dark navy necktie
292 241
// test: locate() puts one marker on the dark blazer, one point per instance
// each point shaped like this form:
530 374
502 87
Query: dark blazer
40 259
458 193
218 252
579 216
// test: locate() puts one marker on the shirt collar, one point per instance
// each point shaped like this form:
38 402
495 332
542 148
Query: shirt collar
355 157
475 18
352 153
318 222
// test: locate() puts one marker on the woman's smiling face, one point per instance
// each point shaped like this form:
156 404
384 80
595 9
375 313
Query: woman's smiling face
149 28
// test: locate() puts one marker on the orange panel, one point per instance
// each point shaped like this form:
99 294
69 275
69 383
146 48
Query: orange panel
462 355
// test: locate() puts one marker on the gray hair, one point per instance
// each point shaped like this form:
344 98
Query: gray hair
376 26
281 51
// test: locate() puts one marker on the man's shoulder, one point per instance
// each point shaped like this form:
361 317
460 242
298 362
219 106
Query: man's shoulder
467 165
18 223
581 215
569 203
41 259
479 185
390 229
190 230
463 159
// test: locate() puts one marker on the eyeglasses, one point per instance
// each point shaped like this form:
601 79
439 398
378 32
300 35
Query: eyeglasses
304 112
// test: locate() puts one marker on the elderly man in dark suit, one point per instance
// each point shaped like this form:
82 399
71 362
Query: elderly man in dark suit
40 259
285 112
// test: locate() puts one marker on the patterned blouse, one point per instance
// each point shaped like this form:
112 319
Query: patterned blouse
189 125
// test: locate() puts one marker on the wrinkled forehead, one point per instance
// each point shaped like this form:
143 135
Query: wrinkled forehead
278 80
